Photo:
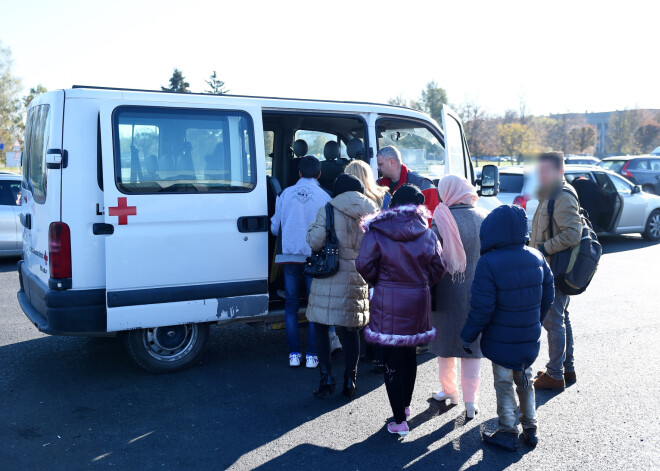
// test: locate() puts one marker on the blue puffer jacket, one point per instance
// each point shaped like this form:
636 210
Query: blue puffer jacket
512 292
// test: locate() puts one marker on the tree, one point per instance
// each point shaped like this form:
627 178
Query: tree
620 132
398 100
515 139
217 87
11 113
432 99
34 92
582 138
647 137
178 83
479 129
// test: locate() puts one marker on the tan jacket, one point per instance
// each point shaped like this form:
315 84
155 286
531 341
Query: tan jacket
342 299
566 222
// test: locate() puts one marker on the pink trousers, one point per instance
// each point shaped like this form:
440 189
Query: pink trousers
469 376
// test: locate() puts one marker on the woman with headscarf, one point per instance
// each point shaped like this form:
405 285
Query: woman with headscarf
341 300
457 222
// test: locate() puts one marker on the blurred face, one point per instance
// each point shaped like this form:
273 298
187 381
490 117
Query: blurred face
548 174
389 168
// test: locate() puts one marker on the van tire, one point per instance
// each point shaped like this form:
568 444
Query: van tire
149 348
652 231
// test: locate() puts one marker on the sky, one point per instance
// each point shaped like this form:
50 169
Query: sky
555 56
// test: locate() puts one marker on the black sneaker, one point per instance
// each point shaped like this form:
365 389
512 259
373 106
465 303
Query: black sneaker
530 437
506 440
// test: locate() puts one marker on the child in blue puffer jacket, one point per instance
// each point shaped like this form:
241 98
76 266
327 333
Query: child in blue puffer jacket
512 292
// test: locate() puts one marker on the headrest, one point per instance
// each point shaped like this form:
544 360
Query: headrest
300 148
355 148
331 150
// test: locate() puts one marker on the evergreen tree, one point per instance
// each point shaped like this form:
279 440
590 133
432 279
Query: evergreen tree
178 83
217 87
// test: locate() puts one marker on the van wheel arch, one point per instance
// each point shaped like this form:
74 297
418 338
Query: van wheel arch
167 349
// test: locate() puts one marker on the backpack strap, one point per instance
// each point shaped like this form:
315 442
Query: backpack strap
551 209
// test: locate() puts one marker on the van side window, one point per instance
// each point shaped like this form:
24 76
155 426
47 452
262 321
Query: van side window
169 150
37 157
316 141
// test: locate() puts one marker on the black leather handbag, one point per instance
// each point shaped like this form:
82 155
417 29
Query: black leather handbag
325 262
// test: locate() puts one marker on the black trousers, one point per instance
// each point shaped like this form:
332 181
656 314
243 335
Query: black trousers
350 342
400 374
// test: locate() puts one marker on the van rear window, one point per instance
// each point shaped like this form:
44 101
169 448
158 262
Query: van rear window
170 150
36 143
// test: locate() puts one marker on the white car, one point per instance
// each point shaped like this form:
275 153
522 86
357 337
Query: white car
11 231
626 209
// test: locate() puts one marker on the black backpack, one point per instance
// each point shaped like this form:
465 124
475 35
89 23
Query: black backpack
574 268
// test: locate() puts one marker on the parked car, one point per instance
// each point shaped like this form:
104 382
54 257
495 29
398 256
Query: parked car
625 208
11 231
582 160
641 170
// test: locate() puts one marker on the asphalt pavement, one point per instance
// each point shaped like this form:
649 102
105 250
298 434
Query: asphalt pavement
78 403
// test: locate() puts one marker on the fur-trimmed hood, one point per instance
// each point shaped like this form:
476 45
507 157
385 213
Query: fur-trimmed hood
398 340
400 223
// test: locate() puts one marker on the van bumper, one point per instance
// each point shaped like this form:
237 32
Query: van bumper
57 312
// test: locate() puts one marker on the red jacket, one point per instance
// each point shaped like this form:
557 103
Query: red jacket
432 199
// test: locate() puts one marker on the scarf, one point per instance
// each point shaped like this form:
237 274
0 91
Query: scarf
453 190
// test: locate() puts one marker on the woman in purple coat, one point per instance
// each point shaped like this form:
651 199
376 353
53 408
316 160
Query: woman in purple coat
400 258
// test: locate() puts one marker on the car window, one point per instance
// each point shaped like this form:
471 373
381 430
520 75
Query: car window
570 177
622 186
655 164
38 146
159 150
316 141
10 193
639 164
613 165
604 182
511 183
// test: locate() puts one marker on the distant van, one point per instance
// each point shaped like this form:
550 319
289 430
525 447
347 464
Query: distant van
147 213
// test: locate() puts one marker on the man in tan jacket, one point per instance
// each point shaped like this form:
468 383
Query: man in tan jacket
566 233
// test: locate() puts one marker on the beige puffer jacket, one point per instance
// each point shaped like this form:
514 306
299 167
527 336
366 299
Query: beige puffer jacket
342 299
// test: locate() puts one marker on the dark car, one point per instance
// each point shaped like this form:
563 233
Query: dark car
641 170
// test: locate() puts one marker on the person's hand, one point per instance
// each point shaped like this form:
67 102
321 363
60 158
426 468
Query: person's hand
466 347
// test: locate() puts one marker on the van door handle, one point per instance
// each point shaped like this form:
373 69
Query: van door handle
253 224
26 220
101 228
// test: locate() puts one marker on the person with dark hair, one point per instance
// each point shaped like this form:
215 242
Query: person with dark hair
551 235
295 209
401 258
341 300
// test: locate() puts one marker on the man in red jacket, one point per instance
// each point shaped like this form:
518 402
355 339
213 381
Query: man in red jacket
395 173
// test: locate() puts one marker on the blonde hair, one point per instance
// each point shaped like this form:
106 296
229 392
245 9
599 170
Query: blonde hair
372 189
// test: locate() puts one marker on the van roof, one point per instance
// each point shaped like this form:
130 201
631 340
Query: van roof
88 91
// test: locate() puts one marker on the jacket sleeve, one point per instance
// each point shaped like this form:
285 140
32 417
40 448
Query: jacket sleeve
567 218
367 262
548 290
482 302
276 220
438 267
316 231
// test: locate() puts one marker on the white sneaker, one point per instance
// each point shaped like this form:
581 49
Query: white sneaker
471 409
441 396
294 359
335 344
312 361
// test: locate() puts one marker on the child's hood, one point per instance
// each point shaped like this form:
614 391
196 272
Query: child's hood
505 226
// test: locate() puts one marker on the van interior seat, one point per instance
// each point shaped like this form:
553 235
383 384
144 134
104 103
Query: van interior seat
355 149
273 190
300 149
332 166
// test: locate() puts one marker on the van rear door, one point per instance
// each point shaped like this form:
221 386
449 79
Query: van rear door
185 214
41 185
457 155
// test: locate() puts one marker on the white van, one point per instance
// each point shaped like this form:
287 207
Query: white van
148 213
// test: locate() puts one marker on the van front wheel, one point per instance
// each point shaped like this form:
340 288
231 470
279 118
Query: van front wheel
167 349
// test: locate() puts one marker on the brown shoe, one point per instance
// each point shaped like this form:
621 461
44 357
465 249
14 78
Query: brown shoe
548 382
570 377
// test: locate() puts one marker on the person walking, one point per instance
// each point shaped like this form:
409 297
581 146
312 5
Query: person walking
567 232
295 210
401 257
341 300
457 221
512 291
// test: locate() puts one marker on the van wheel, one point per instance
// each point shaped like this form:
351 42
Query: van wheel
167 349
652 231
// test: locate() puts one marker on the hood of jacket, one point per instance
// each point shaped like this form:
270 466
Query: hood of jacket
401 223
505 226
354 204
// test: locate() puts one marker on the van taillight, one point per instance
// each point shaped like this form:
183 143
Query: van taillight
624 170
59 250
521 200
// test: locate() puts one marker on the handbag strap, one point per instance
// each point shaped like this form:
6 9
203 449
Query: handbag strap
330 224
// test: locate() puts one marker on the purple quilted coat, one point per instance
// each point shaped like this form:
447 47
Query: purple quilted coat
400 258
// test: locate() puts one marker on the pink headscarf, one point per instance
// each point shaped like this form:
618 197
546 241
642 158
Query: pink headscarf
453 190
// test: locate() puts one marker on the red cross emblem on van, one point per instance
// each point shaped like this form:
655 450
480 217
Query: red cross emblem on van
122 210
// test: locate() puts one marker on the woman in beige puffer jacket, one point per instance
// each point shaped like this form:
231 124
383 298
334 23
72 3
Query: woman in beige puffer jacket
341 300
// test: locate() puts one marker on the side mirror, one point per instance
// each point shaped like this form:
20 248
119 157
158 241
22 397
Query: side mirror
636 189
490 181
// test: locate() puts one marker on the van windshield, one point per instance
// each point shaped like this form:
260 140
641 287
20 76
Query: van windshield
169 150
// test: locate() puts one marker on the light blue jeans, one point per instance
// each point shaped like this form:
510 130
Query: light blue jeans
560 337
504 379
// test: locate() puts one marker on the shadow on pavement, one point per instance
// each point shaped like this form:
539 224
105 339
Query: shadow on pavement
615 244
8 264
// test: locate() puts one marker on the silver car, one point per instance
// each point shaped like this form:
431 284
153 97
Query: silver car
11 230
